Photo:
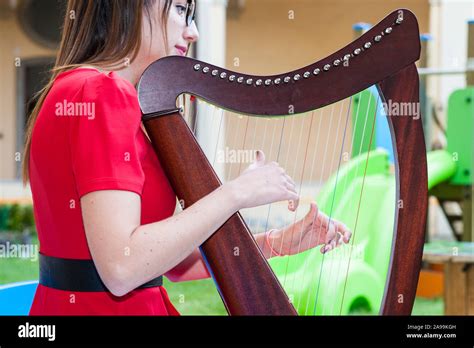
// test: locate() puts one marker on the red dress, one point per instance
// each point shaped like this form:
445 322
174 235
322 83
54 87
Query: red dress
87 138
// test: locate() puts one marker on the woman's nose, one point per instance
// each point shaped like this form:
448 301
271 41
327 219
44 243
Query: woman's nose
191 33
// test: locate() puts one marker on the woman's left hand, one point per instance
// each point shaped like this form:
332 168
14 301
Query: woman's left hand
315 229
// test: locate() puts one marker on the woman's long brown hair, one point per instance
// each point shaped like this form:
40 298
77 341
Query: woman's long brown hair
102 33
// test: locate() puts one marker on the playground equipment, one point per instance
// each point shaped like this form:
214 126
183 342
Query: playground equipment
458 134
366 271
16 298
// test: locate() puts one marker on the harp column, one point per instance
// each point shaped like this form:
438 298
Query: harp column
211 48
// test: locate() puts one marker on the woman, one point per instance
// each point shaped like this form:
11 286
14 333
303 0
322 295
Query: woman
103 205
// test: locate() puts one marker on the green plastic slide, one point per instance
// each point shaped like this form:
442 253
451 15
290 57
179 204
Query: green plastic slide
352 277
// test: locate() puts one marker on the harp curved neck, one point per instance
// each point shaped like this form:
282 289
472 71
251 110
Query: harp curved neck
385 49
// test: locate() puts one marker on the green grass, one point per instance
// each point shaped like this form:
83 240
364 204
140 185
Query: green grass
195 297
17 269
422 306
190 298
425 306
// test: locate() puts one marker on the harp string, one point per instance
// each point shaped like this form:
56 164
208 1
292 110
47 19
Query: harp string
196 121
310 181
274 133
341 259
267 121
238 118
301 180
305 273
330 212
322 169
218 139
247 120
229 176
345 181
301 120
285 165
333 258
304 183
269 155
312 184
277 159
334 196
332 164
355 173
360 200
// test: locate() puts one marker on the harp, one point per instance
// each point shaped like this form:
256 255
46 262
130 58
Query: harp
384 58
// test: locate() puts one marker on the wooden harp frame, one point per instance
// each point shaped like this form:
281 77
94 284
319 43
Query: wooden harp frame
384 56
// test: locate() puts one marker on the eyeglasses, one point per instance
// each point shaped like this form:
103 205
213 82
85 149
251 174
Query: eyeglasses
190 12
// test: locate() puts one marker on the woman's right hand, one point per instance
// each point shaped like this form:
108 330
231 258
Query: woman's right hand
263 183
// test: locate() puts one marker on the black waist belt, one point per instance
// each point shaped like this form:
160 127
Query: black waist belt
76 275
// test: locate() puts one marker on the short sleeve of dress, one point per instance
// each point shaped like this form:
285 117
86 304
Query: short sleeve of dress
104 139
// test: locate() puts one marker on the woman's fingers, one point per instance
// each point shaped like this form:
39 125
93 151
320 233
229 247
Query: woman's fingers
313 208
330 231
336 235
290 185
294 200
289 179
345 232
339 238
293 204
259 160
260 157
332 244
311 216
